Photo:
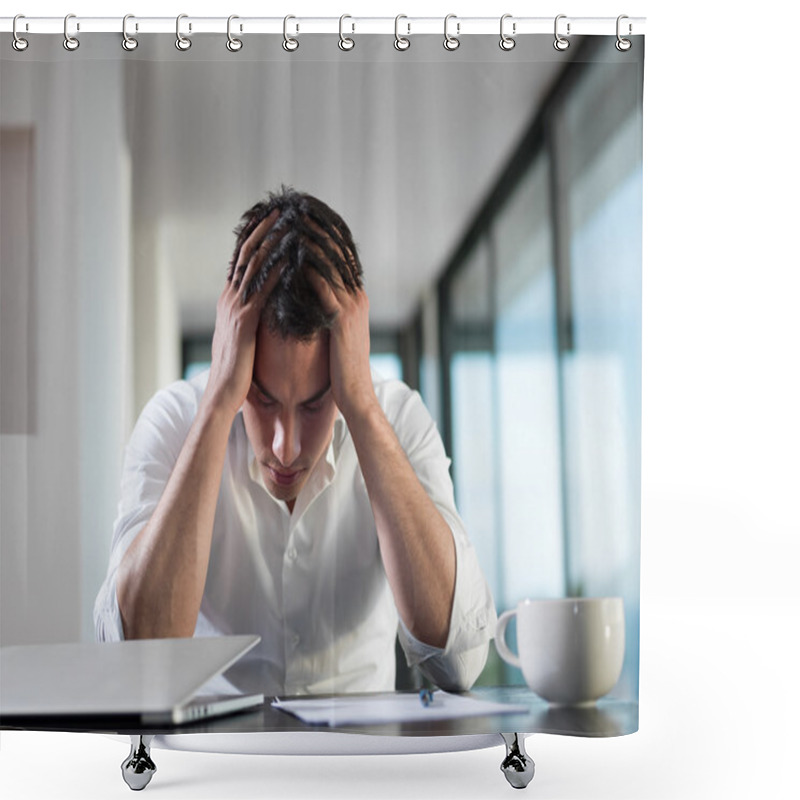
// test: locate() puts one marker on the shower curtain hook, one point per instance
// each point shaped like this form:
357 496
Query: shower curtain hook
233 44
290 44
401 42
345 42
18 43
70 42
451 42
623 45
181 41
507 42
560 42
128 42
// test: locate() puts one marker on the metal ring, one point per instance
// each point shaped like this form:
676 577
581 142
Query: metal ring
623 45
400 42
560 42
70 42
290 44
233 44
507 42
18 43
345 42
128 42
181 42
451 42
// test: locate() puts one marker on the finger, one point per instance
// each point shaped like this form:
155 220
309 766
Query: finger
333 258
238 254
333 276
252 246
336 251
258 245
254 287
249 282
326 293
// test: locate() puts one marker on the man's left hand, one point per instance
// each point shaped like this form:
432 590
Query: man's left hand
351 379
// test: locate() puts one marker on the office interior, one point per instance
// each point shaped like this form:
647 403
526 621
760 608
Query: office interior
498 215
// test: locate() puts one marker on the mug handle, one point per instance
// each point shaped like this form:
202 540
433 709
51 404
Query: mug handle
500 639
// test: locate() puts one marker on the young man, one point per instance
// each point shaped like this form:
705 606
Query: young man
290 494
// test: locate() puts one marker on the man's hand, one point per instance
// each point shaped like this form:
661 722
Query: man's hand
238 312
351 379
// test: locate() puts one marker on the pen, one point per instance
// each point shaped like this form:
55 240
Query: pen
426 697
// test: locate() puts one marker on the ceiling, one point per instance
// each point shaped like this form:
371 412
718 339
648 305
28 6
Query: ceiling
405 149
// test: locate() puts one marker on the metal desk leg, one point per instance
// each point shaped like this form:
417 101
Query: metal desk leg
517 766
138 768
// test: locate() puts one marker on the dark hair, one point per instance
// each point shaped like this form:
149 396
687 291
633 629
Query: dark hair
307 234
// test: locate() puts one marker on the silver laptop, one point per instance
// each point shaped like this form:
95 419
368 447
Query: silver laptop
139 682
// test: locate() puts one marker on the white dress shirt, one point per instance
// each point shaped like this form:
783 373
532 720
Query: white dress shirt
311 583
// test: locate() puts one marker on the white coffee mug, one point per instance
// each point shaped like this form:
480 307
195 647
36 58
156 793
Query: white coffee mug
570 649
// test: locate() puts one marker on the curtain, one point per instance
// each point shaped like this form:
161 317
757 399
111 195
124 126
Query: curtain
495 196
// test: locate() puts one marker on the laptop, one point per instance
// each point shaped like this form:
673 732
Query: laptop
140 682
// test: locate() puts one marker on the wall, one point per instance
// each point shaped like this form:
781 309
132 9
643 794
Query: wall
60 471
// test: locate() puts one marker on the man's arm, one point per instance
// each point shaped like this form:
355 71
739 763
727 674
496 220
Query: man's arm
163 573
416 543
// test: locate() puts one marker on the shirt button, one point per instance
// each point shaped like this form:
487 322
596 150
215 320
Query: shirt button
295 639
291 554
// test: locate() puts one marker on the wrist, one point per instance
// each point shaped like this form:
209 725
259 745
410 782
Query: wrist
357 397
363 410
216 407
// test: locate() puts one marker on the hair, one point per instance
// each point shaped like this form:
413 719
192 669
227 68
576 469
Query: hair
307 234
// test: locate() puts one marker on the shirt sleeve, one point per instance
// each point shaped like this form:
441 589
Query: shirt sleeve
458 664
148 462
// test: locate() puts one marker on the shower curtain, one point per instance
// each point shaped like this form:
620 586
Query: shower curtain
493 186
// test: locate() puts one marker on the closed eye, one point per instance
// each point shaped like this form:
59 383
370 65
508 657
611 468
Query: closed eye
317 402
259 397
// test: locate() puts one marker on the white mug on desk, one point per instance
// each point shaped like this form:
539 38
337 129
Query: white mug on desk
570 649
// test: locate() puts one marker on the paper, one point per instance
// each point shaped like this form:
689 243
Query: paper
377 709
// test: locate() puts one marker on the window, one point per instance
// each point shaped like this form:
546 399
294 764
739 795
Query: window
540 336
527 387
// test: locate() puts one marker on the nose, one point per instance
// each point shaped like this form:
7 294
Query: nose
286 440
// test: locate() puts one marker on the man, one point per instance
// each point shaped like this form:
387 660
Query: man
288 493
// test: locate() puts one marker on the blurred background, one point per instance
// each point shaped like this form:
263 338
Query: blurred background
496 199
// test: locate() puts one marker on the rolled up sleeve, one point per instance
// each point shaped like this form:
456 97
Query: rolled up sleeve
457 665
107 618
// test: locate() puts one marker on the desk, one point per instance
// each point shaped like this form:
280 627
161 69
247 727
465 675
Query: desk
240 733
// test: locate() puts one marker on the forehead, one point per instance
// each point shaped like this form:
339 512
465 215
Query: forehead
291 369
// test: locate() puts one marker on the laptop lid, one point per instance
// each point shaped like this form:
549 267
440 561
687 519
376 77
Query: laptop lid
152 680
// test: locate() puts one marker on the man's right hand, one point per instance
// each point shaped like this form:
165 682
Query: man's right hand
238 313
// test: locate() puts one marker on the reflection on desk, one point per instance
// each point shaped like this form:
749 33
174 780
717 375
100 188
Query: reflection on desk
609 717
